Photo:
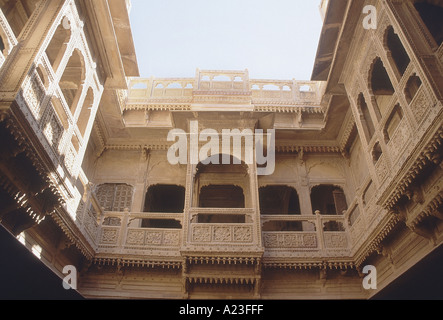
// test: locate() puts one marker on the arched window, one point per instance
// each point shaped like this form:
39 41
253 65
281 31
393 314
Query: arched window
381 85
71 80
42 74
165 199
431 14
279 200
396 49
393 122
59 42
376 152
412 86
85 113
366 119
328 199
214 183
2 45
222 196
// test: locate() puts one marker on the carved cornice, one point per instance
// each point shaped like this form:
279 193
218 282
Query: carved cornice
429 211
169 105
11 123
426 156
139 147
223 279
347 130
72 234
323 265
223 258
307 149
286 107
392 221
144 262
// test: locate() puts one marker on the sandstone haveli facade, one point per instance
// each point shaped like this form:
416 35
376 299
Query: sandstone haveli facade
85 179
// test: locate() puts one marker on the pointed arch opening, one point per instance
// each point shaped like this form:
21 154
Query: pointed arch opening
396 51
221 196
366 118
328 200
71 82
393 122
280 200
414 83
222 185
2 45
58 45
85 114
380 85
163 198
377 152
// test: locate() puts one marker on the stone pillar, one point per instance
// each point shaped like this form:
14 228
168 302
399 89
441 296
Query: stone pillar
304 193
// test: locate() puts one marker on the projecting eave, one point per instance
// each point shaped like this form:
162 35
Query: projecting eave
341 20
110 29
122 28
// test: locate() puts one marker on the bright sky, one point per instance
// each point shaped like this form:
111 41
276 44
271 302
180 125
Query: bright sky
273 39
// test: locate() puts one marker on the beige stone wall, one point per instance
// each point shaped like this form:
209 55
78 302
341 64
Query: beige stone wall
98 147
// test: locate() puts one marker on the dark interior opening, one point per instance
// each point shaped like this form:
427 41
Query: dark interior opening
333 226
376 152
221 218
380 81
2 45
279 200
165 199
393 122
161 224
381 86
329 200
221 196
224 164
431 15
282 226
398 52
367 119
412 86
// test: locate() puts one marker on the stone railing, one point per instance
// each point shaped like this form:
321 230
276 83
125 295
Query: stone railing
121 233
86 221
51 115
229 235
317 236
290 92
223 84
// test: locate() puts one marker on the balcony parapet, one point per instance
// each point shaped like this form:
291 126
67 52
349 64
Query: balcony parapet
120 234
318 236
225 88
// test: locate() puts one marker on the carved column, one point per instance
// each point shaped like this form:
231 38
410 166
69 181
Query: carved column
253 187
190 175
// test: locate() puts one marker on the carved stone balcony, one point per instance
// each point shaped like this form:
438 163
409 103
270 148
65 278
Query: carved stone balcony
222 89
120 234
316 237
